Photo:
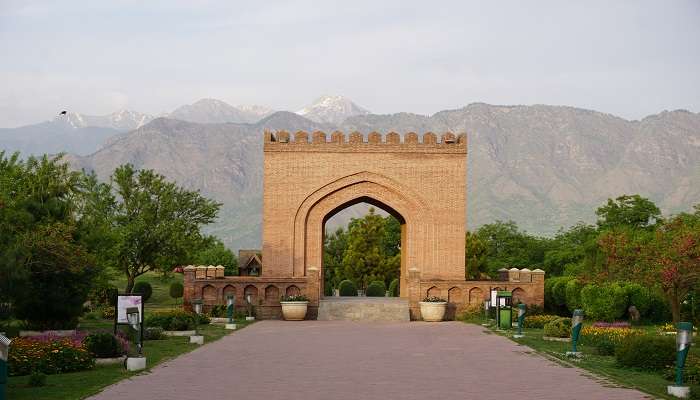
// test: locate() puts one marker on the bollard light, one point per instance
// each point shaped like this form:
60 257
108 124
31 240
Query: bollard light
684 338
248 300
229 308
132 316
4 354
521 320
487 305
576 325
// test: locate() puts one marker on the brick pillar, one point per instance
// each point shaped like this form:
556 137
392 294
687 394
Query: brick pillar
313 291
189 292
537 277
414 294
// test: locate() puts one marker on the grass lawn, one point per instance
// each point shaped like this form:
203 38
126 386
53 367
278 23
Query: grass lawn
160 299
603 366
78 385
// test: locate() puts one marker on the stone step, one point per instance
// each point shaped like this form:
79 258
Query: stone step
363 309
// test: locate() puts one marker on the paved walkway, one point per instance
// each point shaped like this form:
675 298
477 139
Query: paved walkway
353 360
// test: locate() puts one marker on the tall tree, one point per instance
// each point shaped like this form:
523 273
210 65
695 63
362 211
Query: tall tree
213 252
633 211
156 222
475 257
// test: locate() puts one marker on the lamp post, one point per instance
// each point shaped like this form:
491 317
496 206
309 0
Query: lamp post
576 325
248 299
133 317
197 338
521 320
684 338
487 304
4 353
229 311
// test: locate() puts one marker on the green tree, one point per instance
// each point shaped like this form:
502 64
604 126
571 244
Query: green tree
475 257
633 211
213 252
508 247
334 246
365 258
156 223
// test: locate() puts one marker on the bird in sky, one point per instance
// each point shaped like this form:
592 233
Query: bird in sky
64 112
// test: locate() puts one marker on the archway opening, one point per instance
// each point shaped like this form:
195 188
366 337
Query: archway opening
364 241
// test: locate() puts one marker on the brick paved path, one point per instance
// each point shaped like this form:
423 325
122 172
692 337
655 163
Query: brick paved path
353 360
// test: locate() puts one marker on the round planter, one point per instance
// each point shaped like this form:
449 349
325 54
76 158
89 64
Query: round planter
294 310
433 311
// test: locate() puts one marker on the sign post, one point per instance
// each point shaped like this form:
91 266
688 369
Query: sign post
129 311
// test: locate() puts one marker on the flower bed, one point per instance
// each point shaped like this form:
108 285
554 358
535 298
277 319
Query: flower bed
538 321
49 355
606 339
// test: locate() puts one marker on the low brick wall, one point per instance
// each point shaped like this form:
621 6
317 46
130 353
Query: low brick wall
527 287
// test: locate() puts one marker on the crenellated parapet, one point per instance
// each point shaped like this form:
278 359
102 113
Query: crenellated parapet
372 142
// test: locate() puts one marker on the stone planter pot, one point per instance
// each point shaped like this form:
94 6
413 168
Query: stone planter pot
294 310
433 311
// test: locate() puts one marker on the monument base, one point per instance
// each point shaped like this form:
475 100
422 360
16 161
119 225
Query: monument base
135 363
678 391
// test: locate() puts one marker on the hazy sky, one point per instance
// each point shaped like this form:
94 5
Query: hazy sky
630 58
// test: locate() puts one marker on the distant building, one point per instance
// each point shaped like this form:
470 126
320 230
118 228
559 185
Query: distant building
249 263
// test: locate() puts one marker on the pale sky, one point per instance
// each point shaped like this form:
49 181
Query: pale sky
629 58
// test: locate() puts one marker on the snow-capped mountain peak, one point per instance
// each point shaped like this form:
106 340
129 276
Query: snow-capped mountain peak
331 109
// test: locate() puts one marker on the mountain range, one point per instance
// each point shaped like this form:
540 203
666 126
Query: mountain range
544 167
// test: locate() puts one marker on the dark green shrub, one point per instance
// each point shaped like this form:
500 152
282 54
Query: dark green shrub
102 345
175 320
347 288
376 289
104 295
573 294
394 288
218 311
37 379
646 352
153 333
606 302
639 296
176 290
144 289
559 290
327 290
560 327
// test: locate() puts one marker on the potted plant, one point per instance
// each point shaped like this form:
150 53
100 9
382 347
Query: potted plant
433 308
294 307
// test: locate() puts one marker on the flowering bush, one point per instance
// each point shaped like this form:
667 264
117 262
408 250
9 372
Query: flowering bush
538 321
606 338
299 297
434 299
560 327
49 355
616 324
648 352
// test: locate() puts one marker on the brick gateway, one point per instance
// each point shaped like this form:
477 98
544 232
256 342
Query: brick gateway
308 180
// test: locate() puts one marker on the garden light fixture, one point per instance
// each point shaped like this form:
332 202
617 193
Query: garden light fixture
229 308
521 320
133 316
576 325
684 338
4 354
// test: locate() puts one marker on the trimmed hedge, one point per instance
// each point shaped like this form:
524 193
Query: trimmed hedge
347 288
175 320
103 345
646 352
573 294
176 290
394 288
538 321
376 289
560 327
144 289
606 302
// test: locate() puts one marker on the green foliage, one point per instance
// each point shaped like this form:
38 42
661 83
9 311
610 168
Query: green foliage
366 258
177 290
691 372
153 333
646 352
155 223
214 252
507 247
605 302
144 289
568 249
555 294
103 345
573 294
634 211
334 246
107 312
376 289
559 327
640 297
218 311
433 299
347 288
394 288
36 379
103 295
476 253
49 356
175 320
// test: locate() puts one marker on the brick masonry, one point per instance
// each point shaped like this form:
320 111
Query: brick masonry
307 179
